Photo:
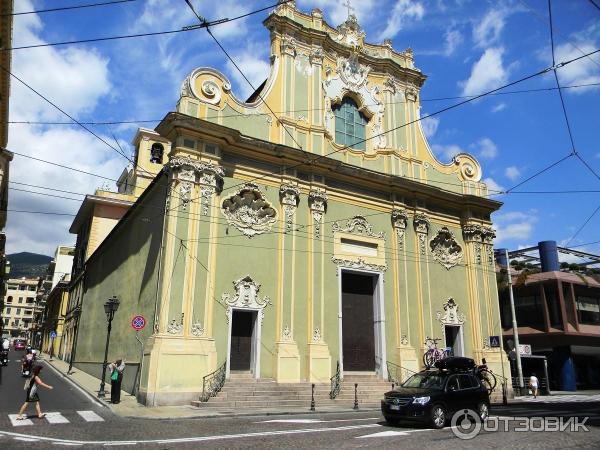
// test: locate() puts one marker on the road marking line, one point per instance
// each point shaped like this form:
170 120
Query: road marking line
25 439
56 417
315 420
384 434
19 423
90 416
194 439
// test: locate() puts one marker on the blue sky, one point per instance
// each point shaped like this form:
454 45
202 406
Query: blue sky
464 47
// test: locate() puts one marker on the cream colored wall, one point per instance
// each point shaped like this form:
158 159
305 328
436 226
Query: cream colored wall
104 220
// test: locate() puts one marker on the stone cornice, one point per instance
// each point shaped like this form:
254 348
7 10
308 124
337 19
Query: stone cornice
281 155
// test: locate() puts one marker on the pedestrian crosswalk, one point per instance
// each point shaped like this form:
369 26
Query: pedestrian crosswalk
55 418
574 398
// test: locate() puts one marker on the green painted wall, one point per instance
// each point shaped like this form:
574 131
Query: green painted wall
125 265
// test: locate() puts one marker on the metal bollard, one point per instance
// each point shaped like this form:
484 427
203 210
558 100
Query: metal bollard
393 386
312 400
355 395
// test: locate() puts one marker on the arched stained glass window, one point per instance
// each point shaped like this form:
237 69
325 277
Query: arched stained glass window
349 124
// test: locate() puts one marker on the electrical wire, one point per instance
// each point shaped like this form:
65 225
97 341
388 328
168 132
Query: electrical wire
69 8
595 4
203 21
139 35
582 226
241 115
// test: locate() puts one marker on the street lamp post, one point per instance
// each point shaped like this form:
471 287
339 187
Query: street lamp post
110 308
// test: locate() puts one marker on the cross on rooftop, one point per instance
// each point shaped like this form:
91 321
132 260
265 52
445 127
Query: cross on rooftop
348 5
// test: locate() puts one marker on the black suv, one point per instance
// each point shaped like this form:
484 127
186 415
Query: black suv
433 396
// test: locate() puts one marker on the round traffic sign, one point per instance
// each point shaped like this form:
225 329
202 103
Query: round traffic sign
138 322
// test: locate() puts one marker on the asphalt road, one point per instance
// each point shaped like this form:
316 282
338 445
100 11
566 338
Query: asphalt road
363 429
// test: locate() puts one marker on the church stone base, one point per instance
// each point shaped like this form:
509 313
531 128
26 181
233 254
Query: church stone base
319 363
173 369
409 362
287 363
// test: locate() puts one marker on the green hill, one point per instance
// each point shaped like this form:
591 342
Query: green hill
30 265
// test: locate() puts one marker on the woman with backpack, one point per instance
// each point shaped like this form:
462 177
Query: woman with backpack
116 377
31 386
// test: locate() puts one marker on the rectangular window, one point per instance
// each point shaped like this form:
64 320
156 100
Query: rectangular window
7 310
6 321
16 322
529 312
588 309
22 287
32 288
28 312
18 311
30 299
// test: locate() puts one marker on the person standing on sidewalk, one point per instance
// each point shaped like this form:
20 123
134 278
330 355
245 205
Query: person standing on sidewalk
32 396
533 385
116 377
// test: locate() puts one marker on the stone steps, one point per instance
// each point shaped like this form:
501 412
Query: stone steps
241 390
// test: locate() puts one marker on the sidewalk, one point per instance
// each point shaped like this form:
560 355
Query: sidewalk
129 407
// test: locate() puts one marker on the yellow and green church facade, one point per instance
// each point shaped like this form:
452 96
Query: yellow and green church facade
283 244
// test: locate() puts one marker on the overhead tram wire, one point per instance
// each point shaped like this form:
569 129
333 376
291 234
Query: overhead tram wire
440 111
54 105
582 226
69 8
205 23
140 35
595 4
543 19
122 122
448 108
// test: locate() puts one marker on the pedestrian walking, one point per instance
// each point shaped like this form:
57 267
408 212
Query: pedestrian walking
116 377
32 387
533 385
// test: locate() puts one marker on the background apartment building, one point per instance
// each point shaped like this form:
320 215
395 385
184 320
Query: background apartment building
20 307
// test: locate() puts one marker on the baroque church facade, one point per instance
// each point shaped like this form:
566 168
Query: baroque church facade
289 245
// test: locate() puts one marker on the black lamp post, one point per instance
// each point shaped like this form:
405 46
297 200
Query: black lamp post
110 308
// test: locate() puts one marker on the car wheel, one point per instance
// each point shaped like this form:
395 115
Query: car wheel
392 420
438 417
483 410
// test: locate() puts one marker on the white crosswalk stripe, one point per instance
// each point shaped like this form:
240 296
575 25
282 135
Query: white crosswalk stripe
574 398
19 423
55 418
90 416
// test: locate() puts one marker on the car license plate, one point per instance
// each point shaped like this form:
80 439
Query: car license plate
395 407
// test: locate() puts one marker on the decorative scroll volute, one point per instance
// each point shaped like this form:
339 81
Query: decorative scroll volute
249 211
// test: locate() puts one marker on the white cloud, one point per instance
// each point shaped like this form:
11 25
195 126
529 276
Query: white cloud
487 73
77 80
452 39
499 107
403 10
430 126
446 152
73 78
487 148
512 172
493 186
487 31
255 69
514 225
583 71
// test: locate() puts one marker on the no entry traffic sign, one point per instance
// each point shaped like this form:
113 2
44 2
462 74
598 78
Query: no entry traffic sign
138 322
